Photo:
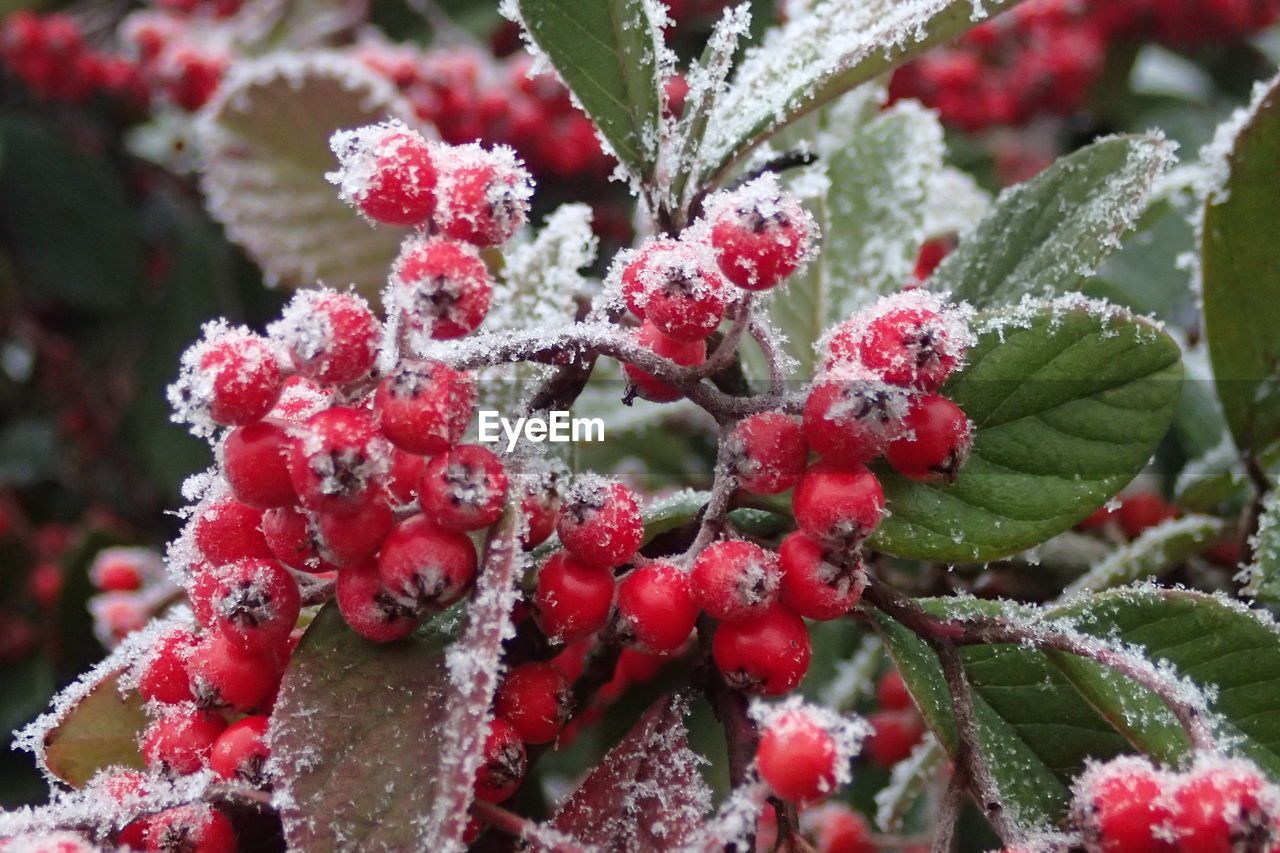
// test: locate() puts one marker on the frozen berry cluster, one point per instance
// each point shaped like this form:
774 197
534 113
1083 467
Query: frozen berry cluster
1217 805
132 588
1043 56
50 55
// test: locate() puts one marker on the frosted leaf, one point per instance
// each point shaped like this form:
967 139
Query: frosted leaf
646 794
264 142
541 276
956 204
1262 577
1157 550
855 678
909 781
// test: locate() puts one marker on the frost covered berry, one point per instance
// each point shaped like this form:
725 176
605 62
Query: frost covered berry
338 460
818 583
798 757
387 172
253 603
503 765
935 441
292 536
839 829
224 676
370 608
483 196
683 353
1224 806
441 289
535 698
573 598
914 342
464 488
850 416
193 828
760 233
424 406
163 675
226 530
655 609
179 742
768 655
540 505
674 285
1123 807
735 580
330 337
255 461
240 753
353 537
424 567
600 522
767 453
836 506
231 377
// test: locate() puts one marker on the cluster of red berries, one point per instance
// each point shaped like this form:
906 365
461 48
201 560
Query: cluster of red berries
182 56
1131 514
751 239
1218 805
1042 57
896 725
50 55
132 588
468 95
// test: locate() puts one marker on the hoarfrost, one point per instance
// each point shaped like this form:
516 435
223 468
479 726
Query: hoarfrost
908 781
1154 552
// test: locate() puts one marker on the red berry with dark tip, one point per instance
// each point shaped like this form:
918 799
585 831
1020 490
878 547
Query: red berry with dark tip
330 337
424 406
798 758
224 676
836 506
767 453
388 173
572 598
674 286
935 441
817 582
370 608
503 765
768 655
483 195
536 699
294 539
441 289
424 567
338 460
464 488
235 378
253 603
600 522
240 753
179 743
193 828
735 580
760 234
655 608
849 417
910 346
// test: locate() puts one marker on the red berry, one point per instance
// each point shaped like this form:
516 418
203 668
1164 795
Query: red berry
232 377
768 655
387 172
293 538
464 488
370 609
224 676
240 753
892 693
850 417
163 676
504 763
838 507
255 461
735 580
1224 809
600 522
338 460
424 567
540 506
441 289
655 611
227 530
123 569
767 453
179 743
194 828
536 699
1142 510
760 234
483 195
798 758
253 603
842 830
1122 808
573 598
402 479
818 583
916 347
330 337
893 735
935 442
685 354
354 537
424 406
674 286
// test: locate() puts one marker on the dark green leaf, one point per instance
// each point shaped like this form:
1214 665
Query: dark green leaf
1240 265
607 51
99 731
1068 406
1048 235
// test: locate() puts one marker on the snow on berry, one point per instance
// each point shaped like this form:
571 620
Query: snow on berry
851 414
735 580
600 522
805 751
387 172
231 376
674 285
767 453
483 195
760 233
935 441
439 289
330 337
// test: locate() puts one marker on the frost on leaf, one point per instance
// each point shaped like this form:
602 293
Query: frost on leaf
1262 577
1152 554
265 147
910 782
646 794
825 49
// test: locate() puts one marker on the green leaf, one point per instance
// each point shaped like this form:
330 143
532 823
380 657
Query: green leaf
100 730
818 56
68 220
1240 268
1232 654
265 147
608 52
673 512
1068 404
357 732
1035 730
1264 573
1048 235
1155 552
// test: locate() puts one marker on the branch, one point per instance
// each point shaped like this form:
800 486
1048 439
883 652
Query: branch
949 815
542 837
730 706
715 513
772 349
728 348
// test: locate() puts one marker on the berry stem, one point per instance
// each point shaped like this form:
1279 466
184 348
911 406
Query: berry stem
730 707
545 838
949 813
715 512
728 348
771 347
